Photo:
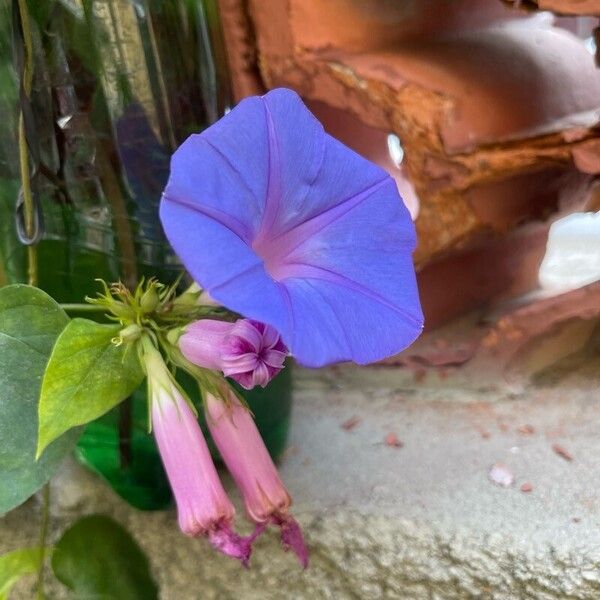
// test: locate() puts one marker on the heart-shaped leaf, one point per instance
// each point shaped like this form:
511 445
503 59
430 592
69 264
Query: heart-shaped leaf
30 322
97 558
86 376
14 565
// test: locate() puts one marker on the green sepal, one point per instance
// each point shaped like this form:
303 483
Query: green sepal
158 375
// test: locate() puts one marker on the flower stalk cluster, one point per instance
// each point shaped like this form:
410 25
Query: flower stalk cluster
156 322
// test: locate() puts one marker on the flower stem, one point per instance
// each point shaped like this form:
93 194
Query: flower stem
82 308
28 207
42 542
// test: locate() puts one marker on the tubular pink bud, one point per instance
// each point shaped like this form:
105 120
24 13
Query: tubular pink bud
202 505
266 499
249 352
202 342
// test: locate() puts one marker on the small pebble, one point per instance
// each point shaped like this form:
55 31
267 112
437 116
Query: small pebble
501 475
391 439
562 452
526 429
351 423
526 487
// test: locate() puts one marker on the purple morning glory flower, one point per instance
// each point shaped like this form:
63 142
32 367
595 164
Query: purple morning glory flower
280 222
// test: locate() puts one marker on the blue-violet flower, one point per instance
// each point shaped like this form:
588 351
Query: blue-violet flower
280 222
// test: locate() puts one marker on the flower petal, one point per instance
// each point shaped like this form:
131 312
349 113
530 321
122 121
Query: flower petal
310 172
244 329
270 336
346 323
261 375
246 380
223 172
273 358
296 143
202 341
358 271
290 533
292 538
225 540
239 364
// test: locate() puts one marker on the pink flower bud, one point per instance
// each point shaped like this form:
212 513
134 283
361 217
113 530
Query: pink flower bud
202 342
202 504
249 352
243 450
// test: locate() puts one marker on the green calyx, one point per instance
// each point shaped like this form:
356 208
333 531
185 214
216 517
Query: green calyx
153 363
158 376
129 334
154 307
139 307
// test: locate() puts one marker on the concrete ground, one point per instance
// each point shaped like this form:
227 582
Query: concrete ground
391 481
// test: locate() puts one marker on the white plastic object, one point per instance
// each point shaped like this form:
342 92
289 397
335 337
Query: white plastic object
572 257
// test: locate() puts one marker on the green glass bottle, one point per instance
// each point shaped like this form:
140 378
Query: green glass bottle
117 86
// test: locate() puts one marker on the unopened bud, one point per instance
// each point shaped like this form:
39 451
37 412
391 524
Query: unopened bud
187 299
149 300
123 311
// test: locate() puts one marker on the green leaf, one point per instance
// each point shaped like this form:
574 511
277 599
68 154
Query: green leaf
14 565
97 558
86 376
30 322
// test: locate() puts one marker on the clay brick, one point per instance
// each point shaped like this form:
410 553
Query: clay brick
491 110
562 7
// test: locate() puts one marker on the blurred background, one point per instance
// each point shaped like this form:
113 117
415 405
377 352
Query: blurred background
467 466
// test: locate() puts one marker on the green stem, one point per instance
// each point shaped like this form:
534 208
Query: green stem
43 535
27 78
27 40
82 308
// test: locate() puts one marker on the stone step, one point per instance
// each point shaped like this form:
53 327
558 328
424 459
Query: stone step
391 482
